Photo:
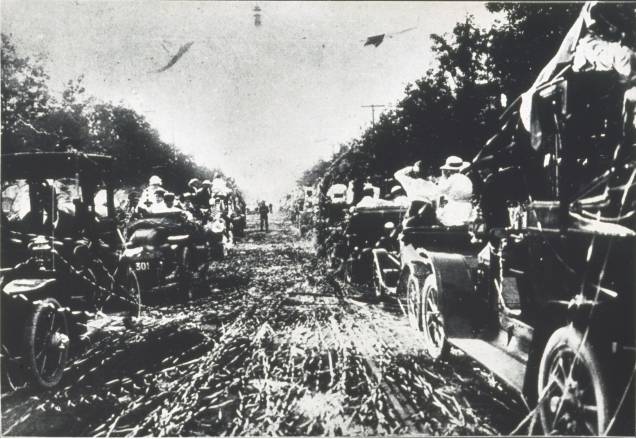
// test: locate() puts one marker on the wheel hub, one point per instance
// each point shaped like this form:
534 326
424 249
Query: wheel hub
59 341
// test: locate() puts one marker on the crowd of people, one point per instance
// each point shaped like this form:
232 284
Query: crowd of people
213 195
209 202
448 196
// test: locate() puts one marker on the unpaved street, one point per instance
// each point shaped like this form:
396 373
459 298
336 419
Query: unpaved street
269 348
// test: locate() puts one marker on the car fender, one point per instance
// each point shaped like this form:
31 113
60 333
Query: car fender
454 276
28 288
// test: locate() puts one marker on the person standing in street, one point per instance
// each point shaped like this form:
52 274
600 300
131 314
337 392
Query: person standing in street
263 210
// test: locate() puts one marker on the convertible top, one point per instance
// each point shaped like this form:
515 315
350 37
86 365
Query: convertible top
38 165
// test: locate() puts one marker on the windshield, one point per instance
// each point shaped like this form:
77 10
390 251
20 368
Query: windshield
16 197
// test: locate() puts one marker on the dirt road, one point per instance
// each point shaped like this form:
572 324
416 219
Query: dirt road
269 348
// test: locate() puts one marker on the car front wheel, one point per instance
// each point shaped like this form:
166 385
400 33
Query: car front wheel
46 343
573 396
432 320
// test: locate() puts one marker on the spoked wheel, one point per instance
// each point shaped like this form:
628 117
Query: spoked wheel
378 288
432 320
130 291
572 390
412 302
12 371
46 343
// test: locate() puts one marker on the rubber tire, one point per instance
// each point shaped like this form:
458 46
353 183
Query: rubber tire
29 346
433 350
570 338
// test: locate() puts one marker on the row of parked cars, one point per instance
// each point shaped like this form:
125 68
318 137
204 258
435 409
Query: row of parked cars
544 300
64 258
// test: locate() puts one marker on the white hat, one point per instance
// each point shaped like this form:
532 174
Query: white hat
453 163
397 189
155 180
206 183
193 181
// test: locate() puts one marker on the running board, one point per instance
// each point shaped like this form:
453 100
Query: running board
509 369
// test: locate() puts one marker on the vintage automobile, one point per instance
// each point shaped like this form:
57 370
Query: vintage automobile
545 301
53 277
364 231
168 253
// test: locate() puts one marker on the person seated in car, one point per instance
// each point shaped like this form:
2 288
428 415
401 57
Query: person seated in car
201 194
454 203
159 205
186 202
448 202
169 206
368 200
416 184
398 196
49 220
194 184
147 198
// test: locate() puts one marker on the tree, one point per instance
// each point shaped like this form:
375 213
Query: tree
463 62
35 120
521 44
25 99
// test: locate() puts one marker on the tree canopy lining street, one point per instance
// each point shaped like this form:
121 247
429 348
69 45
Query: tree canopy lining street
454 107
33 119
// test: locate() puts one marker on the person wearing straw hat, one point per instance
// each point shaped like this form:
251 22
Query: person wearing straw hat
454 204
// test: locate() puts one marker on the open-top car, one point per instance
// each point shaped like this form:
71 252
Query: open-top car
546 301
169 253
59 257
353 242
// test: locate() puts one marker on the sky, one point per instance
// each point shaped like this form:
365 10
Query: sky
262 103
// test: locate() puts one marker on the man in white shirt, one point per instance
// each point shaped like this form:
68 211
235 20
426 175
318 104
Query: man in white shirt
415 185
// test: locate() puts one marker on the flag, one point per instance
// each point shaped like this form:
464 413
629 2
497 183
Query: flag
375 40
182 50
563 58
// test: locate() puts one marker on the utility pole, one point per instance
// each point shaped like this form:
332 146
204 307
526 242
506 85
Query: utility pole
373 107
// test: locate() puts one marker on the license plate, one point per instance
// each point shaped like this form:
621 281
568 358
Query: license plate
142 266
